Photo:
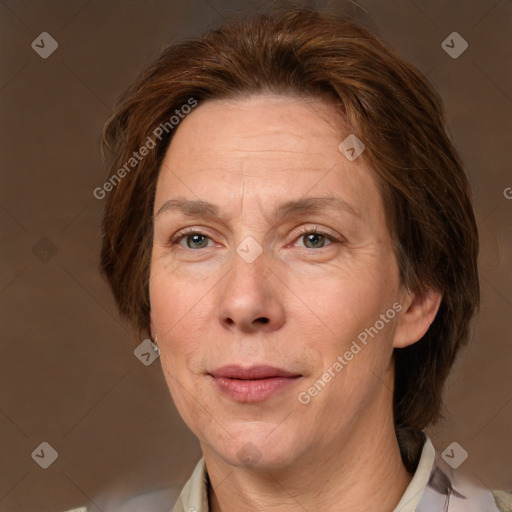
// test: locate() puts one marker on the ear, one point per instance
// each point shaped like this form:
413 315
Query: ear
152 330
418 313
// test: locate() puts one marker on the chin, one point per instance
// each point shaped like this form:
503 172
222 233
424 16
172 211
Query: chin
262 452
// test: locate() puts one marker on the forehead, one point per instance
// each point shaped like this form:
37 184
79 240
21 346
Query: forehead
266 124
269 147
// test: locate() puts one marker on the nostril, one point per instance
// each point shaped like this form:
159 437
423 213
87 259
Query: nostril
263 320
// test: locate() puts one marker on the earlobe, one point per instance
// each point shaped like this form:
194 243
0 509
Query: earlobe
152 330
417 315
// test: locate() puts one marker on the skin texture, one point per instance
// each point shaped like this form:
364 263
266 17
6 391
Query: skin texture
298 306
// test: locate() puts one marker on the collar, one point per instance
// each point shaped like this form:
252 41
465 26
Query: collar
194 496
434 488
412 494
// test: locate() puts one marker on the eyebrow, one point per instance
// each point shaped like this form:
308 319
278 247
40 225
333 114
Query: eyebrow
200 208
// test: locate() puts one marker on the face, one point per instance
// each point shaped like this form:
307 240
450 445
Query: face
275 312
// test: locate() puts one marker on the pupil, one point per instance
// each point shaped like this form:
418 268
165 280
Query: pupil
195 240
311 236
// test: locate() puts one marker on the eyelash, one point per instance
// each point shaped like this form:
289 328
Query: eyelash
303 231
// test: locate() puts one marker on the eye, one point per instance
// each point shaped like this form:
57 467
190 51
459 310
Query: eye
193 239
314 238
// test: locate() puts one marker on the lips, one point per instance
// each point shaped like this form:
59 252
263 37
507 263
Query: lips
253 384
254 372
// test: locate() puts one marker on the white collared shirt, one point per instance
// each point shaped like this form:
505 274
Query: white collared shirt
420 494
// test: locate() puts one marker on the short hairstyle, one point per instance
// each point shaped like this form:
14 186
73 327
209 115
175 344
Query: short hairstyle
387 103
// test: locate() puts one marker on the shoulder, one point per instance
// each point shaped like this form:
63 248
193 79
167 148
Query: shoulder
503 500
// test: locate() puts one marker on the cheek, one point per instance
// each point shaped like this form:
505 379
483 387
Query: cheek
180 349
172 301
349 305
349 297
182 318
169 306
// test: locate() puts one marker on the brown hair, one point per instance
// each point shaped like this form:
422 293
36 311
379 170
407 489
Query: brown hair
387 103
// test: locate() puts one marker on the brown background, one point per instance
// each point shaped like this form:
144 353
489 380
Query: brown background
68 375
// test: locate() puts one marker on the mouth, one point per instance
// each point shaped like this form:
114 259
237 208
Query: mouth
254 384
251 373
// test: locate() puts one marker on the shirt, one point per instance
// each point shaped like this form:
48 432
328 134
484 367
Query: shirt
435 487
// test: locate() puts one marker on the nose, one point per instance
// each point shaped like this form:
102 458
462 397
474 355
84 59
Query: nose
251 299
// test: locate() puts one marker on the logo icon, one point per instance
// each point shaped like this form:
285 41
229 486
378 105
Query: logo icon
44 45
249 454
454 455
44 250
351 147
146 352
249 249
45 455
454 45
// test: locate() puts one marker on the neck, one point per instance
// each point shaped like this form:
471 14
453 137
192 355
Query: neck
364 472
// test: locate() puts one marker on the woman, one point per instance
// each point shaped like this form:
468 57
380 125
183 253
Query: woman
287 218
